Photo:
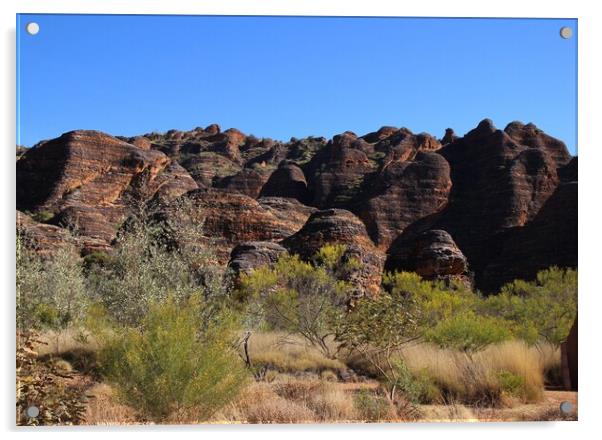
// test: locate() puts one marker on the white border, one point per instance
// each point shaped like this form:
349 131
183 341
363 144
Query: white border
590 76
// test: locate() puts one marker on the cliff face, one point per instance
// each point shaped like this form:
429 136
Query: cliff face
487 207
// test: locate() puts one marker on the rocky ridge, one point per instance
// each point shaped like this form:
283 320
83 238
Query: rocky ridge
486 207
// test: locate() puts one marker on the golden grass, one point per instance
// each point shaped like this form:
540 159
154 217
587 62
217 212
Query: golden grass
301 384
260 404
290 400
289 354
104 409
452 412
69 340
476 379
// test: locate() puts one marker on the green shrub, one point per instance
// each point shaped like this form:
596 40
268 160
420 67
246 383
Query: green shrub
42 216
468 332
416 387
372 407
511 384
541 309
171 365
143 269
51 292
98 258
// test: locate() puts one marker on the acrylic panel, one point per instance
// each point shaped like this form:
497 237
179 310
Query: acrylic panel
248 219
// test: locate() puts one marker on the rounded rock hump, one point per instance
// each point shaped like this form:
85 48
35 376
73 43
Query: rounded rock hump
432 254
341 227
402 193
247 181
253 254
288 180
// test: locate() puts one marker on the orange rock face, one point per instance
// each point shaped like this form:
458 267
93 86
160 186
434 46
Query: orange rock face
88 179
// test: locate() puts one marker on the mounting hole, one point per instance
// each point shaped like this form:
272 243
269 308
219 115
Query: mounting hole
33 411
32 28
566 407
566 32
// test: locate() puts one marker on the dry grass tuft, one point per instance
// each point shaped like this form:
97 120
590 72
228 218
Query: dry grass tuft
290 400
260 404
289 354
452 412
500 374
104 409
66 341
480 380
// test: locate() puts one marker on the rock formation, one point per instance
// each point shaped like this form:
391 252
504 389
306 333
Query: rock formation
287 181
90 180
496 204
403 192
433 255
337 226
252 254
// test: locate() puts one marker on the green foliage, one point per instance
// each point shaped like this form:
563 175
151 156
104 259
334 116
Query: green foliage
377 327
174 361
101 259
417 388
42 216
435 301
51 292
511 384
371 406
300 297
468 332
143 269
383 323
541 309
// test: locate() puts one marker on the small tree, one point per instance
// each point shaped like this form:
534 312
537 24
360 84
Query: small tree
151 260
405 311
541 309
174 361
51 291
301 297
377 327
468 333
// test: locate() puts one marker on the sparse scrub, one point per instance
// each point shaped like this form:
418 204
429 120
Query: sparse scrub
149 264
51 292
260 404
302 298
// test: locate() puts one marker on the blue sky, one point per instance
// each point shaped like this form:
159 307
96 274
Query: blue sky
292 76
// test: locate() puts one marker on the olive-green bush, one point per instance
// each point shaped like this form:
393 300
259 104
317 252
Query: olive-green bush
173 362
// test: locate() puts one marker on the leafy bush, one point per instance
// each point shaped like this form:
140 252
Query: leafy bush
416 387
372 407
378 327
51 292
468 332
170 364
541 309
511 384
143 269
42 216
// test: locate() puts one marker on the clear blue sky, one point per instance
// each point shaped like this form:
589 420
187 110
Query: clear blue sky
292 76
